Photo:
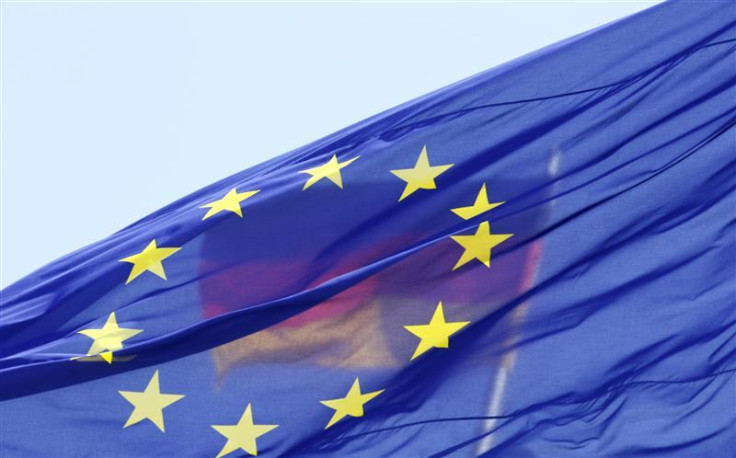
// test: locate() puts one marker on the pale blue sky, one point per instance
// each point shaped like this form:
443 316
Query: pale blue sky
111 110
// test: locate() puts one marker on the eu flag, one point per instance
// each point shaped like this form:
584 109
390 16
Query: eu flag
536 261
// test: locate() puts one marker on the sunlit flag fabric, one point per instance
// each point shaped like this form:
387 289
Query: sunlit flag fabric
536 261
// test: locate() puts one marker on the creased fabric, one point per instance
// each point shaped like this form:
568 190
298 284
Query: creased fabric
536 261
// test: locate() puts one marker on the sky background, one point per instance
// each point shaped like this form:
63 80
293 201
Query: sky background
111 110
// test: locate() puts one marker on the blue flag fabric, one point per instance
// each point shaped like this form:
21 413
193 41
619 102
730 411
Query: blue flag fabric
536 261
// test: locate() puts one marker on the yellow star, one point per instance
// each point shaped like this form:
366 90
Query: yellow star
231 202
478 246
481 205
108 339
421 176
437 333
149 404
329 170
352 404
243 435
149 259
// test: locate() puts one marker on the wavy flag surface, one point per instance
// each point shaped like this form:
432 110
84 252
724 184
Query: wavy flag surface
536 261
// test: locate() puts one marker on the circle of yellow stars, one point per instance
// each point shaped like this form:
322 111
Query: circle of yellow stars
150 403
